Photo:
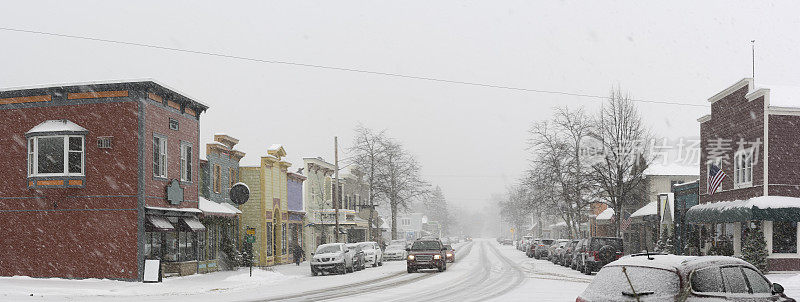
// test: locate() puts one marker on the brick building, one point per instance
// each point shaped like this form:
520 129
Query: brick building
88 169
752 135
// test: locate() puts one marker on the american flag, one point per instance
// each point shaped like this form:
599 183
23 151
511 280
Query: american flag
715 177
626 222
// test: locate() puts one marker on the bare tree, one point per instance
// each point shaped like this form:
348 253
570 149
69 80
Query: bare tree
368 152
398 179
622 135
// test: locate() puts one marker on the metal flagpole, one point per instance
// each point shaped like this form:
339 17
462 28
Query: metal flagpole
753 48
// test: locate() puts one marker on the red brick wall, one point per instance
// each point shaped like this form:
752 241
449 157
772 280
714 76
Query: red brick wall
784 155
733 117
157 122
71 232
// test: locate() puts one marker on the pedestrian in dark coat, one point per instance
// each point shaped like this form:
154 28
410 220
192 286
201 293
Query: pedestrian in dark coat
298 253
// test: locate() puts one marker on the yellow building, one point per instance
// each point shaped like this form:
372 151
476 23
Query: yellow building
266 211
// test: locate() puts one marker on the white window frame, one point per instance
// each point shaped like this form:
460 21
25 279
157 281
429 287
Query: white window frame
743 168
186 161
33 156
162 156
718 163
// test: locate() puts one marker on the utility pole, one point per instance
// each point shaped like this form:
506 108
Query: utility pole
336 186
753 47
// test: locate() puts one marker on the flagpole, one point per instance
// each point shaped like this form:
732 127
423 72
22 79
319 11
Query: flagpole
753 48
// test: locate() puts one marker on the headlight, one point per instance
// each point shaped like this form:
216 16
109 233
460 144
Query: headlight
437 257
410 257
449 255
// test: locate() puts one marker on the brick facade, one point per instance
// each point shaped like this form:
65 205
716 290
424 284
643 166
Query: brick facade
92 230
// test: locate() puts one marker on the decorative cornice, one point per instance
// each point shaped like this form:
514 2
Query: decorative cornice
704 118
736 86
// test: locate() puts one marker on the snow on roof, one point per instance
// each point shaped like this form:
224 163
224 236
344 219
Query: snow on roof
761 202
661 169
783 95
212 208
274 147
605 214
57 126
649 209
190 210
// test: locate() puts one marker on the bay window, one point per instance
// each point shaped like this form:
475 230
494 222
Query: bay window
59 155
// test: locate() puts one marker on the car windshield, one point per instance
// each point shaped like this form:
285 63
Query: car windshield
598 243
324 249
426 245
547 241
611 283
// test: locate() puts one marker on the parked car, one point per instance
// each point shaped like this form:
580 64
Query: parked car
372 253
525 239
566 256
540 249
507 242
358 256
395 252
576 254
599 251
406 244
332 258
648 277
426 253
555 250
450 253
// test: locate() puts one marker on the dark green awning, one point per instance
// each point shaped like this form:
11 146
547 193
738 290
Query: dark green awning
772 208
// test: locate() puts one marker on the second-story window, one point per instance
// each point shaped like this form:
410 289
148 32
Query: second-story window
405 222
160 156
743 168
232 176
186 162
217 179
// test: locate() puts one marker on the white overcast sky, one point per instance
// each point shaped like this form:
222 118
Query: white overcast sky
469 140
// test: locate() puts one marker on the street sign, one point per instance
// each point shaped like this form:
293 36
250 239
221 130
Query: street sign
239 193
251 231
251 239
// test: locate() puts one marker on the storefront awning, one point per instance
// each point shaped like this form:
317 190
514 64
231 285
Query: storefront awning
194 224
160 223
211 208
773 208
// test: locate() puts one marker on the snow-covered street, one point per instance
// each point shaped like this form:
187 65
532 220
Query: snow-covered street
484 271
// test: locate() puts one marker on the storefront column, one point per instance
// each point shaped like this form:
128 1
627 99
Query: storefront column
767 226
737 239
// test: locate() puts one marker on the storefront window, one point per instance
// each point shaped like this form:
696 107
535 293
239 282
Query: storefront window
201 245
152 245
213 240
283 239
784 237
186 243
270 235
171 249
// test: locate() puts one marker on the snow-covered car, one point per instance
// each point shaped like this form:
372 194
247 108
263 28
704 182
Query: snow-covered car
556 249
359 261
426 253
395 252
566 256
372 253
332 258
648 277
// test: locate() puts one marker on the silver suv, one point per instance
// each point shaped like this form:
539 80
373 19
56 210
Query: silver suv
332 258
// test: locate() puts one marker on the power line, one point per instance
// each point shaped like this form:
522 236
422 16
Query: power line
372 72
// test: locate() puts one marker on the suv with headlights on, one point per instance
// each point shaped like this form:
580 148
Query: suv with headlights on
426 253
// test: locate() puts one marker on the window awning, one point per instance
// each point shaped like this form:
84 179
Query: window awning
160 223
194 224
772 208
605 214
56 127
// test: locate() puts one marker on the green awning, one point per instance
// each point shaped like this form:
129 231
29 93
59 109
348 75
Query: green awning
772 208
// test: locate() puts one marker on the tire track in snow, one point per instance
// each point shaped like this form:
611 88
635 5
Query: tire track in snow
362 287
